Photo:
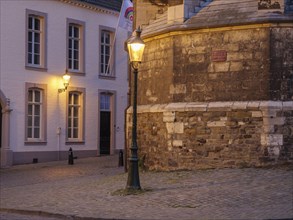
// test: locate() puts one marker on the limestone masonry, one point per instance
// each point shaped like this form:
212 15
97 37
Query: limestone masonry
216 92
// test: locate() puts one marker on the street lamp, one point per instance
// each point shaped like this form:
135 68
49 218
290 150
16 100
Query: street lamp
66 78
135 46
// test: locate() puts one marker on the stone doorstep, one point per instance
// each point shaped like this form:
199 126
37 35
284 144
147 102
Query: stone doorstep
215 106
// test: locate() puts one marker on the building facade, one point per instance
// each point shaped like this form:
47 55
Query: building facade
216 84
40 119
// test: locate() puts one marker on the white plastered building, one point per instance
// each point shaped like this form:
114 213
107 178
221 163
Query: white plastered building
41 41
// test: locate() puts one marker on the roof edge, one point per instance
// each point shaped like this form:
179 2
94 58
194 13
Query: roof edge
91 7
189 27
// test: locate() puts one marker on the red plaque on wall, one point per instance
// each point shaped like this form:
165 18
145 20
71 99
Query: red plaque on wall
219 55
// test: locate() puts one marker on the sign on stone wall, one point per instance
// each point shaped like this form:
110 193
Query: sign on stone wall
219 56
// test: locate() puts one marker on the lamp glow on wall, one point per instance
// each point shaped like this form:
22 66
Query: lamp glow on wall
66 78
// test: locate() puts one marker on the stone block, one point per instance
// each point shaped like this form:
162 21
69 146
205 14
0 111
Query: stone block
271 139
179 106
268 129
271 105
274 151
287 106
236 66
169 117
220 106
256 114
178 127
177 143
253 105
178 89
239 105
196 106
216 123
269 113
156 108
274 121
221 67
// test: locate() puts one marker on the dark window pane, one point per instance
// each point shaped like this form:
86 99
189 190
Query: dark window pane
37 38
29 121
30 22
69 133
76 45
37 96
36 132
75 133
37 59
75 65
102 68
69 123
37 48
30 110
37 121
76 32
107 39
29 59
37 110
70 31
75 54
29 132
30 47
30 36
76 99
70 43
75 122
69 64
30 95
37 24
107 50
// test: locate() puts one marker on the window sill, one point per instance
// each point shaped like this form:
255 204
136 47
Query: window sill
76 73
107 77
35 143
36 68
74 142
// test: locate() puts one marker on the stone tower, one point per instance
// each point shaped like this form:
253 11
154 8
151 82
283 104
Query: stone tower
216 83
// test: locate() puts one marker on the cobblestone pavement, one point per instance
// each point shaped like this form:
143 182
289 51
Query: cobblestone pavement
91 189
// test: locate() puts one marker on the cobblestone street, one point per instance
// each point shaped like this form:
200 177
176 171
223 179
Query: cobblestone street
90 190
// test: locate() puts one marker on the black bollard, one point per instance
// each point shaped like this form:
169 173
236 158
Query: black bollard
70 157
120 164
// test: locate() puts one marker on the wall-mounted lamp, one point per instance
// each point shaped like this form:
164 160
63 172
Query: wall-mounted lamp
66 79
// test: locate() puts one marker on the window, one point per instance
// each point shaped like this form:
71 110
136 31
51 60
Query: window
35 113
75 116
106 53
75 47
105 102
35 38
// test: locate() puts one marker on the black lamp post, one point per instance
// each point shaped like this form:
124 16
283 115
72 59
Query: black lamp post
135 46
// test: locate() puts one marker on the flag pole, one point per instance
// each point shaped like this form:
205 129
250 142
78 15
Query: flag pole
114 39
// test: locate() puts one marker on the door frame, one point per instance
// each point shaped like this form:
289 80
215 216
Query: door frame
6 152
112 95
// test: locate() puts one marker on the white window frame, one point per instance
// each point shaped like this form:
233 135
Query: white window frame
70 117
111 50
77 45
31 51
42 103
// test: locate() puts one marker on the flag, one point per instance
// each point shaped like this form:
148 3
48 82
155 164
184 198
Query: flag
126 15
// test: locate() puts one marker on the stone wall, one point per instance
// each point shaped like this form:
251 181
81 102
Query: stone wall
222 64
281 65
214 135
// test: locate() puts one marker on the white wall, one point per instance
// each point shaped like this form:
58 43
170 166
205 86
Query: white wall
13 73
